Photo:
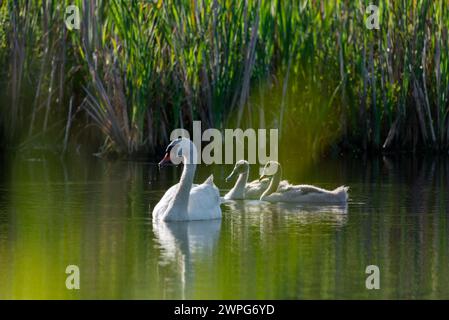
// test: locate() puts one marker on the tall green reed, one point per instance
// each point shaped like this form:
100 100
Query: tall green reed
310 68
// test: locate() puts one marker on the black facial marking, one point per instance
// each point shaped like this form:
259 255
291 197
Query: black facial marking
168 148
172 144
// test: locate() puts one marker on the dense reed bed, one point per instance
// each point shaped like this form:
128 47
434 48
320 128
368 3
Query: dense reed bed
137 69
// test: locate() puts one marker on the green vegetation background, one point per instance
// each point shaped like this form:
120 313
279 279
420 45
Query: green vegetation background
135 70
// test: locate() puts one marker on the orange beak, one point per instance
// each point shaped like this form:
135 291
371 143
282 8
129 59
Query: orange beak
165 160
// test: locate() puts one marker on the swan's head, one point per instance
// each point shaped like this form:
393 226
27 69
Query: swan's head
179 150
242 166
270 169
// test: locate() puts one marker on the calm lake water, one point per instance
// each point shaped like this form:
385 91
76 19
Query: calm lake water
97 215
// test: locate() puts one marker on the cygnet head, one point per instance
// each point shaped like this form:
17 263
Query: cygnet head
270 169
242 166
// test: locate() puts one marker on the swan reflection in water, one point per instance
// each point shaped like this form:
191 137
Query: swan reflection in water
301 214
184 242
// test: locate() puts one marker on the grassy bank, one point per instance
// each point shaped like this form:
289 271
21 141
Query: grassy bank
137 69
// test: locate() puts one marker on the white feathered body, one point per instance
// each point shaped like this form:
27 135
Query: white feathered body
204 203
308 194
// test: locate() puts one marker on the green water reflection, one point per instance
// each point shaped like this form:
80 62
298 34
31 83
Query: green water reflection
96 214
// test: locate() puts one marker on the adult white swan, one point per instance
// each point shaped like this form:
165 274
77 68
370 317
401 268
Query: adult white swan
186 201
244 190
302 193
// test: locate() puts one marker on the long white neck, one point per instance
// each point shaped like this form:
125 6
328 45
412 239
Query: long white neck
274 183
181 199
238 191
178 208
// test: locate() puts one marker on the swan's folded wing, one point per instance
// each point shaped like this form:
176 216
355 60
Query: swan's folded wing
254 189
308 193
284 185
204 202
301 189
306 189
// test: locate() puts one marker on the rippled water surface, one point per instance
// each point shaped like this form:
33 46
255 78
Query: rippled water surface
97 215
